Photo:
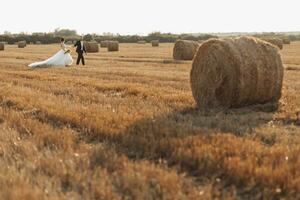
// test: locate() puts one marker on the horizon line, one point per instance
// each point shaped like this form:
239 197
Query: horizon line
144 34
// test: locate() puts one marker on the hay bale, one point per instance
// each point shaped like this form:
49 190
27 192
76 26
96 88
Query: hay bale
155 43
113 46
103 44
230 73
92 47
22 44
286 41
2 46
142 42
38 42
275 41
185 49
69 42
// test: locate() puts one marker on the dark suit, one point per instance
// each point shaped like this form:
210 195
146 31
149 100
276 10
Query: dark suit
80 50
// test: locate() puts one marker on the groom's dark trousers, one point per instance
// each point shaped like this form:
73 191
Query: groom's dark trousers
80 50
80 57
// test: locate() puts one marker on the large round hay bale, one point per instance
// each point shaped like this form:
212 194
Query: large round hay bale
103 44
142 42
22 44
2 46
92 47
275 41
185 50
230 73
286 41
113 46
38 42
155 43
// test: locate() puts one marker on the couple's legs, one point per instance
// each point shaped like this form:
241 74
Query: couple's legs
80 57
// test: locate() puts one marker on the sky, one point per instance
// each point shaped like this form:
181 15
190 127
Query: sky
146 16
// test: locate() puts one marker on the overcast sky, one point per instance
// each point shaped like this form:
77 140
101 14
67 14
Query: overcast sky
144 16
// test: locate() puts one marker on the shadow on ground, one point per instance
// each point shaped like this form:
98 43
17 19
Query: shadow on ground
148 138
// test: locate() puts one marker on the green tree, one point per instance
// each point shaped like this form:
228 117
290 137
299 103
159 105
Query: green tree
65 33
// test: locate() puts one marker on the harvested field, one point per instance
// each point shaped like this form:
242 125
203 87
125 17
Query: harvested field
126 126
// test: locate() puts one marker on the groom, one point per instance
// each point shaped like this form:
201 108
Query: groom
80 49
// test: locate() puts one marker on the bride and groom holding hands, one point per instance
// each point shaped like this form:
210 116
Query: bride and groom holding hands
63 56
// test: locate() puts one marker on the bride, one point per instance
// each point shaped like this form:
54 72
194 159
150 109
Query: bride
61 58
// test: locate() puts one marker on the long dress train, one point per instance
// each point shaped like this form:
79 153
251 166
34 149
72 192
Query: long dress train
59 59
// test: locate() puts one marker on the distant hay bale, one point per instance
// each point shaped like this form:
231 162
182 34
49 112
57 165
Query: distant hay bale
142 42
2 46
185 49
22 44
92 47
103 44
286 41
228 73
113 46
155 43
275 41
38 42
69 42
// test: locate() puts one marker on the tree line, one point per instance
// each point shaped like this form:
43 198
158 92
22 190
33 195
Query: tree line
72 35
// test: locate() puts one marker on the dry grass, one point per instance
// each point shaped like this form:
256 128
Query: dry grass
142 42
125 127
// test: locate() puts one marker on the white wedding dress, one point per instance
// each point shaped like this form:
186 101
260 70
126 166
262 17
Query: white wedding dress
59 59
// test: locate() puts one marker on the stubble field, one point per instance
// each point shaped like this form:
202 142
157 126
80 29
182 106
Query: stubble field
126 126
